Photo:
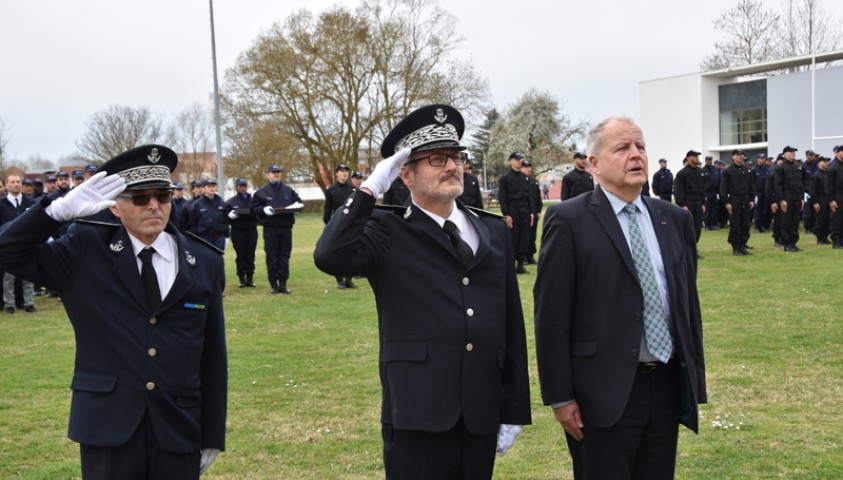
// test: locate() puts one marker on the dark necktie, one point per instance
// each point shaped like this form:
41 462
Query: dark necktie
149 278
17 202
462 248
656 331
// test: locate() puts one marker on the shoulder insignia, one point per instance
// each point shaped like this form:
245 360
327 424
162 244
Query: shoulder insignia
203 242
396 209
480 212
97 223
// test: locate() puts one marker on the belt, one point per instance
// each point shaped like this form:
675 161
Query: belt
649 367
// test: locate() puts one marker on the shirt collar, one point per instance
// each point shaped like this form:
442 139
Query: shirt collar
162 244
457 217
618 204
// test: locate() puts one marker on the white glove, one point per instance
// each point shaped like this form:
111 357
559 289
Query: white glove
506 437
269 211
93 196
225 246
206 458
295 205
233 215
385 172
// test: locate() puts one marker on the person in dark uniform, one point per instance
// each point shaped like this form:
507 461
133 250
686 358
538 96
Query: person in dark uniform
820 200
90 171
50 185
272 206
178 203
536 206
663 182
775 213
737 193
809 168
471 194
453 358
208 216
13 204
37 188
338 193
689 190
834 190
185 220
790 192
150 377
244 232
398 194
762 205
356 179
711 195
578 180
514 199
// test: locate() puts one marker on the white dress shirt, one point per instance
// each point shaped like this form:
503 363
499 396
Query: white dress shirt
163 260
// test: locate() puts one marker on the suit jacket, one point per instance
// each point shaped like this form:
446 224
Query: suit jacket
170 362
452 339
589 307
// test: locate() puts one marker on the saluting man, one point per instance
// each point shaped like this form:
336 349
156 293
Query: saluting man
453 360
150 377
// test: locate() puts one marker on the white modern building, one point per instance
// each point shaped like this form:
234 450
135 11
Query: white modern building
757 108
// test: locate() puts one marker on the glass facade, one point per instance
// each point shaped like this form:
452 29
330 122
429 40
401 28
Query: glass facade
743 113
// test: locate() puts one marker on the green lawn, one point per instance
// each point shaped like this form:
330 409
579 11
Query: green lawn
304 395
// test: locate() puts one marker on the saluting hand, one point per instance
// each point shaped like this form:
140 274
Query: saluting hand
93 196
385 172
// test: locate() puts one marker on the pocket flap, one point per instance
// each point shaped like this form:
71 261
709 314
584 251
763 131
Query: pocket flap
404 352
93 382
584 349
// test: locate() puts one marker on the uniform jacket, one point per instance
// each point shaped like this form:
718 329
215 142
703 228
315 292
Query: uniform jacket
536 203
589 307
278 196
335 198
712 179
834 181
760 172
577 182
689 187
170 362
471 194
788 181
663 181
209 217
244 221
817 190
737 185
514 193
452 339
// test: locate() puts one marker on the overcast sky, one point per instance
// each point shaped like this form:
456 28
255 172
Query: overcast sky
61 61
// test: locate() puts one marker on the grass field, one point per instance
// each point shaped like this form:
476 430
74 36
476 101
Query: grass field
304 395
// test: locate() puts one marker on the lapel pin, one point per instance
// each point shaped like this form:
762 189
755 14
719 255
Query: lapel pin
190 258
408 213
117 246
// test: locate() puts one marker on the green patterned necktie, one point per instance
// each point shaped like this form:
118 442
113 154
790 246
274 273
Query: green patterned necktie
655 328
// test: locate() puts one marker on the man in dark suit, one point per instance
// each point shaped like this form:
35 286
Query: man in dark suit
617 317
453 361
150 378
12 205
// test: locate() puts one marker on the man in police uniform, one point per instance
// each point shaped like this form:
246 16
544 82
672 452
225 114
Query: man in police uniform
809 168
737 194
208 216
834 190
536 206
762 204
663 182
453 360
78 178
790 192
514 198
178 203
471 194
820 200
244 232
145 302
689 190
577 181
269 205
711 194
338 193
185 220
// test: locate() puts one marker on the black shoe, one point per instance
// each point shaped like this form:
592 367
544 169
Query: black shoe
792 248
520 268
30 309
714 228
250 281
748 246
823 241
282 287
778 245
531 261
10 310
737 252
341 285
349 283
744 250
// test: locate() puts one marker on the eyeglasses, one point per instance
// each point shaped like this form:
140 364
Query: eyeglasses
142 199
440 159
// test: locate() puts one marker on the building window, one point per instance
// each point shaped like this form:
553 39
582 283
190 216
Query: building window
743 113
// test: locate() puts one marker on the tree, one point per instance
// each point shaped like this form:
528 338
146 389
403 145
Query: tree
37 162
482 137
808 28
117 129
751 36
261 142
339 81
535 126
191 134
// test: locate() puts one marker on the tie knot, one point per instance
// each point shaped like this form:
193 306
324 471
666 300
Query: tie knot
630 209
146 254
450 227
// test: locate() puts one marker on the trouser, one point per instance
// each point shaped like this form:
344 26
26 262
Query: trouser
533 232
739 223
696 209
667 197
244 241
837 221
722 214
790 221
9 291
777 226
642 444
712 210
809 215
453 454
762 212
821 226
520 233
277 243
140 458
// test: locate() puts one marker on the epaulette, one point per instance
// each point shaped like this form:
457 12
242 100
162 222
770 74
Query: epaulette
480 211
203 241
396 209
98 223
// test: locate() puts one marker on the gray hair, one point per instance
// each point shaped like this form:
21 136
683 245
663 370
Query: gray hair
595 135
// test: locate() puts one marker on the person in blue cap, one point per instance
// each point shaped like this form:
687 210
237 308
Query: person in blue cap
244 232
150 375
272 207
809 168
178 203
208 216
185 219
